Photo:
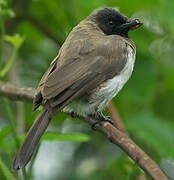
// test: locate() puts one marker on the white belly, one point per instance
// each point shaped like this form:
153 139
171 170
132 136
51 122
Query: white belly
115 84
102 97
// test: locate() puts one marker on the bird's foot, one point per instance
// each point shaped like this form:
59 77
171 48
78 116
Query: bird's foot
100 118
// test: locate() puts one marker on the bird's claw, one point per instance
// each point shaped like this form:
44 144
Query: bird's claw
100 118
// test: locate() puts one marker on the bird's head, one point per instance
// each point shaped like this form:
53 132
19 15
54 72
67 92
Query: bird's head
111 22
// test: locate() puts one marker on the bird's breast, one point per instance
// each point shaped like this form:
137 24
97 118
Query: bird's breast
100 97
114 85
111 87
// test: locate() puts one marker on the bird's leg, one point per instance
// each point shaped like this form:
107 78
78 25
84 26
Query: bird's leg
99 117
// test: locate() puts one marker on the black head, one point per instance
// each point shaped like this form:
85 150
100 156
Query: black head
111 22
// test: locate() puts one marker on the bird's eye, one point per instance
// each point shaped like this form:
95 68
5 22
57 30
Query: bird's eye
111 23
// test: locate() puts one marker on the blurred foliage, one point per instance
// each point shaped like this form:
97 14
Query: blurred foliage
31 32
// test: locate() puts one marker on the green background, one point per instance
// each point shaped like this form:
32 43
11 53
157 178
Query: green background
31 33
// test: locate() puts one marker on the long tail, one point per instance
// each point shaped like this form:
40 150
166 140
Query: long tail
29 145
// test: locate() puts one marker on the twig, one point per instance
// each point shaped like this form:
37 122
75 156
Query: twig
40 26
119 125
141 177
115 135
16 93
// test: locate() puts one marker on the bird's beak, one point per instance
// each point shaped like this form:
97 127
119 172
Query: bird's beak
135 24
131 24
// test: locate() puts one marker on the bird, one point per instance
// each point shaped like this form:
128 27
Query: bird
92 66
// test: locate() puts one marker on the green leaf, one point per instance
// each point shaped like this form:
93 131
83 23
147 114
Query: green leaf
16 40
3 3
154 131
4 10
6 171
3 141
4 132
76 137
53 136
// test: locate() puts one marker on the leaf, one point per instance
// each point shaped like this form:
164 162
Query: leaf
3 142
3 3
4 132
6 171
53 136
4 10
154 131
16 40
76 137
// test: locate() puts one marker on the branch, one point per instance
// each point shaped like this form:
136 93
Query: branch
16 93
35 22
119 124
115 135
141 177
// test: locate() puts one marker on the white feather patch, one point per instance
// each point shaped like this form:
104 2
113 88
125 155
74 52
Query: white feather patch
102 97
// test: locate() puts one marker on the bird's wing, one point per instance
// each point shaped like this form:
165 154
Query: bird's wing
90 64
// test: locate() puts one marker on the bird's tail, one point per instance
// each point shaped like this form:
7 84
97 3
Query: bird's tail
29 145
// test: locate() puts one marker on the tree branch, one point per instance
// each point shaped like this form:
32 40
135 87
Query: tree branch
116 135
141 177
16 93
40 26
119 124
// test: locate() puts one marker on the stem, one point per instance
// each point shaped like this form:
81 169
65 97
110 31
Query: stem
1 40
9 64
24 174
10 115
6 171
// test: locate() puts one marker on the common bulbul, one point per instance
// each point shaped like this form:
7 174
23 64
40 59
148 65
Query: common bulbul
93 64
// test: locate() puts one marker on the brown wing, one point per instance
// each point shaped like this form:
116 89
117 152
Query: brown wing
82 71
